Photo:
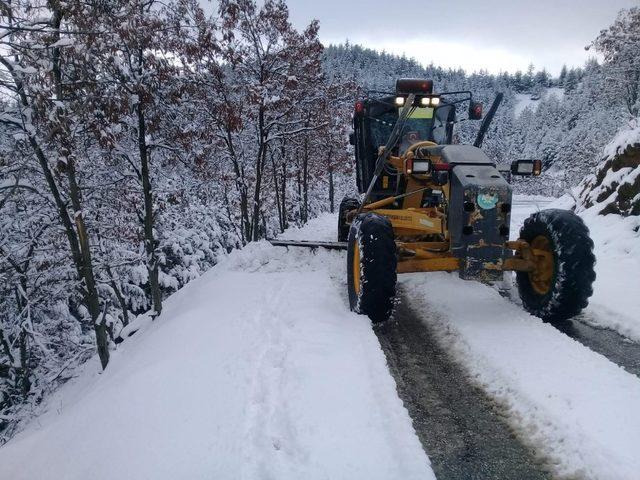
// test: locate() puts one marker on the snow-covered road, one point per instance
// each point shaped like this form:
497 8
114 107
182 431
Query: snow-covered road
258 370
575 406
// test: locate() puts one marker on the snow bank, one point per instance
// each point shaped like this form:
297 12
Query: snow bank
575 406
615 302
625 138
616 297
255 370
615 185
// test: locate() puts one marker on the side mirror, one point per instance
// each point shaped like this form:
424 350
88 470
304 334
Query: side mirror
352 138
526 168
475 110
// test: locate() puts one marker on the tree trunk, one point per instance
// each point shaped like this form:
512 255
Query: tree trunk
331 190
331 185
241 187
122 302
6 347
305 180
79 246
262 150
243 190
24 364
149 239
285 220
299 185
276 191
92 298
231 217
85 266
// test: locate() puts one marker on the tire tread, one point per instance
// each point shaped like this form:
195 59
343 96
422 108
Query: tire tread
378 261
574 258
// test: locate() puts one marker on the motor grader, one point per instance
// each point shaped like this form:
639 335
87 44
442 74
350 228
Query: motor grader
429 204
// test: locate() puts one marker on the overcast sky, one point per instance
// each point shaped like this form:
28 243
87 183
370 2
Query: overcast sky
473 34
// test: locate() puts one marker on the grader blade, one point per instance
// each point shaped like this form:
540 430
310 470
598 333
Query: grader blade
308 244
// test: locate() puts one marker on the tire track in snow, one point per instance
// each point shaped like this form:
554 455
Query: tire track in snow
462 430
574 406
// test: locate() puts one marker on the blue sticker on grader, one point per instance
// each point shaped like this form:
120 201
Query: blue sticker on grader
487 201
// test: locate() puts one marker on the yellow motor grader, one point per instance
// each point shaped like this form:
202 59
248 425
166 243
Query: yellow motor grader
429 205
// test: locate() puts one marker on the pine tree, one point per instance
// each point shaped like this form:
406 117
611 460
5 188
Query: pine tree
563 75
620 44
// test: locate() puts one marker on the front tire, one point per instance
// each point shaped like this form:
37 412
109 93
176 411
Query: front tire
561 285
371 267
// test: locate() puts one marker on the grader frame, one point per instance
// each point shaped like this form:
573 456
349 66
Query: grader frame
412 223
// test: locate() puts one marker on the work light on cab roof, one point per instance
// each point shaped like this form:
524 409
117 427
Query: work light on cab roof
422 89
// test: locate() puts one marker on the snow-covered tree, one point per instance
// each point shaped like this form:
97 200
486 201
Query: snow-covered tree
620 46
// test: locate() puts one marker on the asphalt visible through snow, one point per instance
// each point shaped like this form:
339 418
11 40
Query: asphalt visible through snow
608 343
463 431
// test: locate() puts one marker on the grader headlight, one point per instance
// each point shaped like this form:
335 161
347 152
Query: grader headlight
430 101
526 167
418 166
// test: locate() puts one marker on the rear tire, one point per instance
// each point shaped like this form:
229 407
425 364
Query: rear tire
346 205
566 290
371 267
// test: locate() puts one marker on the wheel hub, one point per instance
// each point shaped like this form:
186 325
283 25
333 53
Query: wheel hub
541 277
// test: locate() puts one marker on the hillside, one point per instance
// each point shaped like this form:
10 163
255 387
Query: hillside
615 185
